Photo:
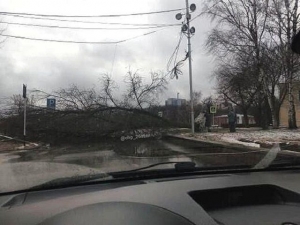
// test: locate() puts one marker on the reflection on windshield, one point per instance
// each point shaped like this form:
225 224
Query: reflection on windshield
102 89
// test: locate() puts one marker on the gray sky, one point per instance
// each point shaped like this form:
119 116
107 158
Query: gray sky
49 66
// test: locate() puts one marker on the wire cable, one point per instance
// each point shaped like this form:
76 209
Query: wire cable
89 22
79 42
86 28
173 58
113 62
93 16
60 41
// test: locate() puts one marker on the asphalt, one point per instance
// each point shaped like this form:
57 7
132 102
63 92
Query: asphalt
21 169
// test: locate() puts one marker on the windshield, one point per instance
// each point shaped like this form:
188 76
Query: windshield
94 87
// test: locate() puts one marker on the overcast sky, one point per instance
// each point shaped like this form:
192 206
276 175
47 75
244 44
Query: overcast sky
49 66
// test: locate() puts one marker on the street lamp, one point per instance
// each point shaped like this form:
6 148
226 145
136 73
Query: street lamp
189 31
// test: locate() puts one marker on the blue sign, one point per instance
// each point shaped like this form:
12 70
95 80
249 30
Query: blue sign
51 103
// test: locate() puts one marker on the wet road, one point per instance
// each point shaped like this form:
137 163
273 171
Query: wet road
25 168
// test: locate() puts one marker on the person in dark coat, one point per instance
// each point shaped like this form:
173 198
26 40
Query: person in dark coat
231 120
207 121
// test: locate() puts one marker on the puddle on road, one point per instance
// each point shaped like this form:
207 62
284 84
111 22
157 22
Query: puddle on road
140 148
8 157
131 154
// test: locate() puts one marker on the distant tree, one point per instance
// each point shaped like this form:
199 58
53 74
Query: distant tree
139 94
274 85
16 103
197 97
2 40
85 113
75 98
239 83
261 30
282 27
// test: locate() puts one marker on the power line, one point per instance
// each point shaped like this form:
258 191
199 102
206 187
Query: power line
113 63
60 41
173 59
79 42
86 28
90 22
92 16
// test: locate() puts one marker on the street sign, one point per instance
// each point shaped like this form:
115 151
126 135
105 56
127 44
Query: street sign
51 103
213 109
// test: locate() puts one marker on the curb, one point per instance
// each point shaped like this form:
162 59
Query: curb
231 145
216 143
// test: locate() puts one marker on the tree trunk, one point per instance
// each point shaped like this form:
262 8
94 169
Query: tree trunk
292 112
246 118
274 111
291 30
265 114
275 118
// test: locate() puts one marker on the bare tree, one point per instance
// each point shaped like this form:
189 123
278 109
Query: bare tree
238 37
74 98
16 103
240 85
282 27
2 40
144 95
108 88
261 29
275 86
241 25
88 114
140 94
197 95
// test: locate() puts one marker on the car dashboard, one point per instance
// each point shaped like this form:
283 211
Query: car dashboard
268 197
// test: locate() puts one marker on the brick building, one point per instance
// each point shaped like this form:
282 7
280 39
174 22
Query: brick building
223 119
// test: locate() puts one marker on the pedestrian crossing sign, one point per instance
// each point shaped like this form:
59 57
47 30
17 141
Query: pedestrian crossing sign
213 109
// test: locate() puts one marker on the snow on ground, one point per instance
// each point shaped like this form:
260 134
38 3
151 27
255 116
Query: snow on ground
9 143
235 141
252 137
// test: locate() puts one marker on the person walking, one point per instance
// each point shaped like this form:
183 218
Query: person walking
231 120
207 121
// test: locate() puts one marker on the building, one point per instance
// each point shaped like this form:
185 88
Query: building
175 102
223 120
284 108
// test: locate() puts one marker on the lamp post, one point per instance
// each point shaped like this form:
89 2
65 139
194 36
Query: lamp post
189 31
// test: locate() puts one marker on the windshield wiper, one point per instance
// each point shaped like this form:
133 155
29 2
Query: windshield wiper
179 166
179 169
84 179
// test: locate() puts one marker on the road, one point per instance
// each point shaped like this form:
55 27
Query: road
21 169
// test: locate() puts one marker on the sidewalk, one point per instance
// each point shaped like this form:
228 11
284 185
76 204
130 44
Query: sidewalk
9 143
252 137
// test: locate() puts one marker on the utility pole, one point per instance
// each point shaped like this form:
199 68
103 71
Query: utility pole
25 103
189 31
188 17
